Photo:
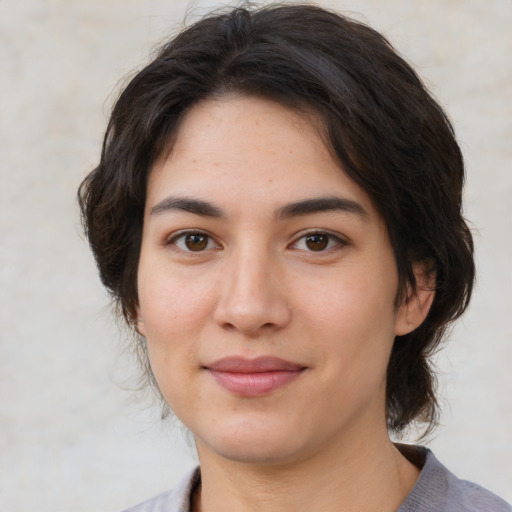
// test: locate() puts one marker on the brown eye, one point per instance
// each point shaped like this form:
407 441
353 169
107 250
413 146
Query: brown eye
193 241
196 241
317 242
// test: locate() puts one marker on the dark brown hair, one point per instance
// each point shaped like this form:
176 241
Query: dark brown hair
381 124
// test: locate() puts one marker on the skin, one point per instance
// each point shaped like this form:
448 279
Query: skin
255 286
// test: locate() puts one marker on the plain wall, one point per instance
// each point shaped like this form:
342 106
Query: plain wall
72 439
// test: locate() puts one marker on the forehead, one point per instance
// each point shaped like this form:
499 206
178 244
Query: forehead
237 125
241 149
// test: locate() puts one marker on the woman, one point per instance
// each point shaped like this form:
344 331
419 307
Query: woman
277 212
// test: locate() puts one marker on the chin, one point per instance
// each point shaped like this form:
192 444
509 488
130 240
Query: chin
250 444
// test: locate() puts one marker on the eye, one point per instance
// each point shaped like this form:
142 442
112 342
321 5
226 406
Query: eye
193 241
318 242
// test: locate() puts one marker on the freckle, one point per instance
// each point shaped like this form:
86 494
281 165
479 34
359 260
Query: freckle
270 180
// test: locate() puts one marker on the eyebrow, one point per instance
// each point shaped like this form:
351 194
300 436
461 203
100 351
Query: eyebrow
295 209
187 204
321 204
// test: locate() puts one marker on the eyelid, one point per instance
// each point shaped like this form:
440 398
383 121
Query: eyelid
170 241
339 239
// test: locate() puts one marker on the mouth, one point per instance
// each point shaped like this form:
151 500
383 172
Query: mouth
253 377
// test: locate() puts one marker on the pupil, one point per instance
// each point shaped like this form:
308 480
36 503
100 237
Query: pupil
317 242
196 242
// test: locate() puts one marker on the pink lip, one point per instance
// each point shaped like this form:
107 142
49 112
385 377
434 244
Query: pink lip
253 377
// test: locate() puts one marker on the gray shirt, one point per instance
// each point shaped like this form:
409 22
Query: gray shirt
437 490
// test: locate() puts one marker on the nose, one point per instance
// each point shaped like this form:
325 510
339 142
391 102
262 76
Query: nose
252 299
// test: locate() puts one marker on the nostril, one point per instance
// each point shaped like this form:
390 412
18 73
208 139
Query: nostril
229 327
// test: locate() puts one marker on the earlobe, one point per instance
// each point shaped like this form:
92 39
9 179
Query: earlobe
139 323
415 307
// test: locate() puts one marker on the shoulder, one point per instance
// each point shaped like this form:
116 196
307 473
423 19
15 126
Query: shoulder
175 500
439 490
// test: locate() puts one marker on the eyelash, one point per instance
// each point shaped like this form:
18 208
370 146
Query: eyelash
182 235
333 241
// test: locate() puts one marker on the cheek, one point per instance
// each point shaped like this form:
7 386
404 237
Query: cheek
173 312
353 319
172 321
352 302
170 303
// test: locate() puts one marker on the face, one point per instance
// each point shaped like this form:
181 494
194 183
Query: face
266 287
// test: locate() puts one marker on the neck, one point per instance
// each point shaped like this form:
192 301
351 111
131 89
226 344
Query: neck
363 474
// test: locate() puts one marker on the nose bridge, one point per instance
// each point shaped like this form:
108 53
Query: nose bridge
250 298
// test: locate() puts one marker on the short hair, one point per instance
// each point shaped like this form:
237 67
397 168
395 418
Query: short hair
380 123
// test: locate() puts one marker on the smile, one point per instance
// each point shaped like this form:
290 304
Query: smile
253 377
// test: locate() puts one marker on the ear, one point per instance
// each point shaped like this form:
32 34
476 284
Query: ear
139 323
415 307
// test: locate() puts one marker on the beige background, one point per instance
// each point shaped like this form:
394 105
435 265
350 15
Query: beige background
71 438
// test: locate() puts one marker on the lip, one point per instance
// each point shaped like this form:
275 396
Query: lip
253 377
